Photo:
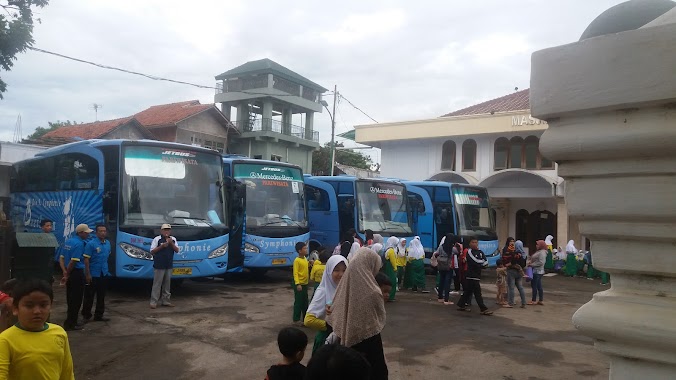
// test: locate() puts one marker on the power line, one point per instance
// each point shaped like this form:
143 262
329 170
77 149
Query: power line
153 77
357 108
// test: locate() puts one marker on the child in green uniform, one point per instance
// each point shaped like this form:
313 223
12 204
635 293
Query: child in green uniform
33 348
401 262
391 263
416 255
300 280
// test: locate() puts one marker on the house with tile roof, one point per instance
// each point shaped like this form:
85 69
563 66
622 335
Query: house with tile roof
189 123
122 128
274 111
494 144
186 122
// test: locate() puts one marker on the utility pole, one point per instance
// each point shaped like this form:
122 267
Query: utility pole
333 129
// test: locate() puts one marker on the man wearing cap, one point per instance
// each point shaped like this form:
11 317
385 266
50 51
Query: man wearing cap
74 277
162 248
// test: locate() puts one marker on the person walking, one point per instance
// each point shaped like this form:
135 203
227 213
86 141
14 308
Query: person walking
358 311
511 260
73 276
476 261
537 262
444 260
162 248
96 275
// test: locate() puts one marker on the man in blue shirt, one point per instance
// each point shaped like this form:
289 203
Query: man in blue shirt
95 255
72 254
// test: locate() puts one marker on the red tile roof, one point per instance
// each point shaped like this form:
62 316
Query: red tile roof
86 131
517 101
169 114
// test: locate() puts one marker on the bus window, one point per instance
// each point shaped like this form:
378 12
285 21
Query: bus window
345 188
317 199
76 171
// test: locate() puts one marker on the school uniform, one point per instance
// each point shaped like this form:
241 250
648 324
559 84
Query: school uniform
300 277
97 252
391 270
73 250
401 265
29 355
317 272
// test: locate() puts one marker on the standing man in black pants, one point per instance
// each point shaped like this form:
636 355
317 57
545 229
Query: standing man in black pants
476 261
96 275
74 276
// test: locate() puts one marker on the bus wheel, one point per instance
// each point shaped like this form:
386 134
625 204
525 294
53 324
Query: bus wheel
314 246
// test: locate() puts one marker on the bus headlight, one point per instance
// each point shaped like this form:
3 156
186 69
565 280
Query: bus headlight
218 252
248 247
496 253
136 252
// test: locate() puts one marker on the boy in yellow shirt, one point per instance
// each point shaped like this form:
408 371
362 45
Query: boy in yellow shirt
300 280
318 269
32 348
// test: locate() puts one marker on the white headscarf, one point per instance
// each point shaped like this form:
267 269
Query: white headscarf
570 247
377 247
326 289
378 238
392 242
415 249
353 250
549 239
401 250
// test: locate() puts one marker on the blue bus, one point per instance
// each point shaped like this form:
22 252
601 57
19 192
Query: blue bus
443 207
131 187
339 203
275 218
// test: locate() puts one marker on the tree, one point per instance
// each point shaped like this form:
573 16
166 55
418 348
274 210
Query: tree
321 159
16 31
40 131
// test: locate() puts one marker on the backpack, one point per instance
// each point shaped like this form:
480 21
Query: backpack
443 260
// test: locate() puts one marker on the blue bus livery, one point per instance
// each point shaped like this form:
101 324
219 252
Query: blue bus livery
131 187
339 203
275 218
464 210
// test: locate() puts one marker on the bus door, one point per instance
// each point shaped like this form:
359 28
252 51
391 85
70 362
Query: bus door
322 210
421 206
237 200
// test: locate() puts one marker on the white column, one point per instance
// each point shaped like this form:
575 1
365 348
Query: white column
561 223
609 101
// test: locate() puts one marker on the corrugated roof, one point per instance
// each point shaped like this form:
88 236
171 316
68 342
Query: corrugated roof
86 131
267 65
169 114
517 101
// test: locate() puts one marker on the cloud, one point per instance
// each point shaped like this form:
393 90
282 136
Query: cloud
364 26
395 59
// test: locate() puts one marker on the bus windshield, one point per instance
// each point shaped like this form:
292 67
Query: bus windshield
275 195
170 185
475 217
383 208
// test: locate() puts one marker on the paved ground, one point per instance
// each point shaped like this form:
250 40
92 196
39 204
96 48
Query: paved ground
227 330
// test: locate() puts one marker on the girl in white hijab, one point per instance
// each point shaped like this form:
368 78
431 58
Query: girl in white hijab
416 254
571 259
402 261
353 250
358 313
549 263
323 298
391 264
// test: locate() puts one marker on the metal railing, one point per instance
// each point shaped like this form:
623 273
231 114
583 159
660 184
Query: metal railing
277 126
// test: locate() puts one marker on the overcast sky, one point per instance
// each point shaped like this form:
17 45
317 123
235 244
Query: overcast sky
396 60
